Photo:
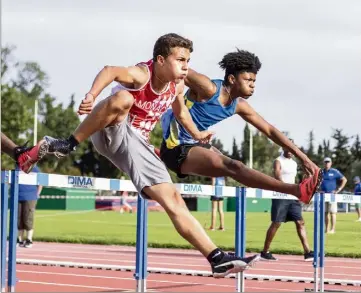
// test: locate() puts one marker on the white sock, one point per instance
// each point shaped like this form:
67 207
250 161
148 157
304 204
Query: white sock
30 234
21 235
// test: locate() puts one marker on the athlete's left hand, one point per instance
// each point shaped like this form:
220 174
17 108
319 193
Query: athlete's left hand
204 136
86 105
309 167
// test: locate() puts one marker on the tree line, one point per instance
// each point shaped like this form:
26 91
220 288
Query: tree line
25 82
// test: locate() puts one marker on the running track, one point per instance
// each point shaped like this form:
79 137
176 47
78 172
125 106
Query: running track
41 278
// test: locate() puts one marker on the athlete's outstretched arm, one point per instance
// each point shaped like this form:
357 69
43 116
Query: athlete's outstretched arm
183 116
200 84
7 145
250 115
133 76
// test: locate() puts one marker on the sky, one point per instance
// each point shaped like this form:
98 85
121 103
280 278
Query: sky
310 51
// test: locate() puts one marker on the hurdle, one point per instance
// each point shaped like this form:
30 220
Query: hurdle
9 179
13 178
5 182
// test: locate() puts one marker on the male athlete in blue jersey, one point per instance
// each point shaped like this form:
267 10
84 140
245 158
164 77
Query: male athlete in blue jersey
211 101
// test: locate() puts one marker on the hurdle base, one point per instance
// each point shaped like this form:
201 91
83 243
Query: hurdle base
141 285
330 290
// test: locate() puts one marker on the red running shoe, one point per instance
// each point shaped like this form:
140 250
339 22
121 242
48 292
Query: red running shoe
26 158
309 186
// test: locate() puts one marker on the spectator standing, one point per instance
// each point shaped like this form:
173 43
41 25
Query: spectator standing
28 197
217 204
284 210
357 191
331 178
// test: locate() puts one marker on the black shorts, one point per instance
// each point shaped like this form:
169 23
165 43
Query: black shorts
216 198
174 158
284 210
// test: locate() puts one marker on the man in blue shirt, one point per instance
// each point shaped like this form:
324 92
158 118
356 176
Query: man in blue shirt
331 177
28 196
357 191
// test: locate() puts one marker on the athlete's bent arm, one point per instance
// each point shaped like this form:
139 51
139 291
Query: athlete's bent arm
133 76
200 84
250 115
183 116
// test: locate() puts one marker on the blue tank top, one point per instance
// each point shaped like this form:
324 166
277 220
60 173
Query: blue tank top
204 115
29 192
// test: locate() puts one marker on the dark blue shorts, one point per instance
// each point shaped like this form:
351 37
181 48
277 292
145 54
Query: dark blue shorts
174 158
284 210
216 198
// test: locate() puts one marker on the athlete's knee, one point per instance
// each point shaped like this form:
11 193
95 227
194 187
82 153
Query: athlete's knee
174 205
276 225
121 101
217 163
300 224
234 166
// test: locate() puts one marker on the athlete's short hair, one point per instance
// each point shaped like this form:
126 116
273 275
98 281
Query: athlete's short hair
239 62
166 42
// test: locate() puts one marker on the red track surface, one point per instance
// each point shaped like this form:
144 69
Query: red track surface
64 279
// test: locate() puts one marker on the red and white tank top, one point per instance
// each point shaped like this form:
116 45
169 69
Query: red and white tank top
149 105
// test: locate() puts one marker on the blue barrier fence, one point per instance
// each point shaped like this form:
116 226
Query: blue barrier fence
13 178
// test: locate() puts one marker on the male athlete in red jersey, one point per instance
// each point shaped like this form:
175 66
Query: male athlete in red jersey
119 127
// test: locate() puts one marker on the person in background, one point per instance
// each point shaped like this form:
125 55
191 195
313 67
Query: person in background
217 204
124 205
331 177
357 191
28 197
285 210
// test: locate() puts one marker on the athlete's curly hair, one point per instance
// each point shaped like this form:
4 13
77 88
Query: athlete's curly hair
238 62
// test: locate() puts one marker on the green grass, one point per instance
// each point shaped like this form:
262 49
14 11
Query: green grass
109 227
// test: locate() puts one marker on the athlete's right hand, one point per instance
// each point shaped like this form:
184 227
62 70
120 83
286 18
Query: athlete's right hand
86 105
205 136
